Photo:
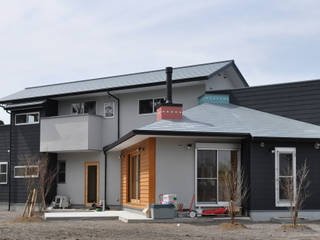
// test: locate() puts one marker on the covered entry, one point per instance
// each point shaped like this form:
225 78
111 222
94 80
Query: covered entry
91 193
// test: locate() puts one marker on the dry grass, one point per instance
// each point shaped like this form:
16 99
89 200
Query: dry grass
297 228
232 226
27 220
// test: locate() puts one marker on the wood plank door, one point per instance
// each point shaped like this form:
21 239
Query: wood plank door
91 184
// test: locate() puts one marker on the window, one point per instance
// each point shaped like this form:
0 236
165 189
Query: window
3 172
26 172
27 118
84 108
109 110
285 176
61 172
134 177
147 106
212 165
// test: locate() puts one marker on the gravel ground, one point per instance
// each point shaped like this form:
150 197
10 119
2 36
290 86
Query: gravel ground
117 230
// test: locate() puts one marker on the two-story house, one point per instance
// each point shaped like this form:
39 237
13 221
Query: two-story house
129 139
73 121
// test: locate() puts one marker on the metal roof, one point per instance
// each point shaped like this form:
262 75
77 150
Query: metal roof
234 119
121 81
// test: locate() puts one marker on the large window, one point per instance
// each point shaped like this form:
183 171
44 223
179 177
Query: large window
26 171
285 176
212 164
27 118
147 106
84 108
134 177
3 172
61 171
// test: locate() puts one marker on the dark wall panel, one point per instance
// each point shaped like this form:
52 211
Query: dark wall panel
4 157
298 100
262 172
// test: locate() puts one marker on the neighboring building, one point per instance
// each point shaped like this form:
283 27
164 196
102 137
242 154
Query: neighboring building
73 121
128 139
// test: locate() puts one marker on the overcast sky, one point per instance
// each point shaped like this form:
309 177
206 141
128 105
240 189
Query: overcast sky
45 42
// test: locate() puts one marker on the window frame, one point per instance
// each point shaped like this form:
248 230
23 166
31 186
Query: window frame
26 167
277 152
58 168
4 163
215 147
29 113
153 110
82 103
104 109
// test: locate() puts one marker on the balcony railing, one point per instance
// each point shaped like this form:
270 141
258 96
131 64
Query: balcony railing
71 133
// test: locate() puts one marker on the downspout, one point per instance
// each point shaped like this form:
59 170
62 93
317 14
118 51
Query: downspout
105 154
10 156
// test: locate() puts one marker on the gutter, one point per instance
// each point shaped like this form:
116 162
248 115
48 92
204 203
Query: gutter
105 153
10 157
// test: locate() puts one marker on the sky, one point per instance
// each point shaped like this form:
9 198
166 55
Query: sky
46 42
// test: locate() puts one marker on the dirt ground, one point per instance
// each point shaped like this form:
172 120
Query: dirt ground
107 229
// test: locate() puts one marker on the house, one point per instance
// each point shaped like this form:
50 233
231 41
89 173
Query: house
128 139
71 122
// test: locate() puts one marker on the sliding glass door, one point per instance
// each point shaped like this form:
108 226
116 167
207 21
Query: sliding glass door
212 165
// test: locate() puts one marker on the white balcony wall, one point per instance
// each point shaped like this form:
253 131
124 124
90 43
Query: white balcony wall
71 133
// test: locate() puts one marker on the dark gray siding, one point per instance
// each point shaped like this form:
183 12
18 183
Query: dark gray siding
4 157
262 173
25 147
298 100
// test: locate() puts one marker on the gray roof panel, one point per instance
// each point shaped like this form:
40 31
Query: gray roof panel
234 119
195 71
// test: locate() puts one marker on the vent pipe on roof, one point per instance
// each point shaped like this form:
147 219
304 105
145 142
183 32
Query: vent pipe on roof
169 110
169 85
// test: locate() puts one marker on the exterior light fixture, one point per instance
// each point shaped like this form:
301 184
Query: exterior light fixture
189 146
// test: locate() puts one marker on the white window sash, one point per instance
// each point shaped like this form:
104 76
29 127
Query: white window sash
113 109
6 173
214 147
27 118
278 151
25 171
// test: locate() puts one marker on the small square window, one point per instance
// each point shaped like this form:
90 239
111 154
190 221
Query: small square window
147 106
109 110
27 118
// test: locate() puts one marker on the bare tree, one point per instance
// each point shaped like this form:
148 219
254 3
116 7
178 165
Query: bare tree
39 166
299 194
236 190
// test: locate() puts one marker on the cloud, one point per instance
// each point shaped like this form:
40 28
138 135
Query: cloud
45 42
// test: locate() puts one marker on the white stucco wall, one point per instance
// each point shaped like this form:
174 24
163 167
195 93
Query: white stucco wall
175 168
75 163
113 178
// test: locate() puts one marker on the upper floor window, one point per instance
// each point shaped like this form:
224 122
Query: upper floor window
26 171
27 118
3 172
147 106
84 107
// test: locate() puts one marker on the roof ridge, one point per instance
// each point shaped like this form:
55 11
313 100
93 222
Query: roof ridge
127 74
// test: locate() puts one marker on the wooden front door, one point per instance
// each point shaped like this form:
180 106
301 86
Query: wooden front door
91 184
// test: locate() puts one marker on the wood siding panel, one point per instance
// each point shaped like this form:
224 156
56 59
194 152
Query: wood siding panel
147 174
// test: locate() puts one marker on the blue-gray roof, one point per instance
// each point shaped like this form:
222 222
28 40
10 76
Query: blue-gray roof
234 119
121 81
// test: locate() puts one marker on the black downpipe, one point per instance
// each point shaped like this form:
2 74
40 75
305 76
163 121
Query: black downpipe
169 85
10 156
105 154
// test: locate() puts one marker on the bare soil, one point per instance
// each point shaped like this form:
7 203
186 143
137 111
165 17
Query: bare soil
11 227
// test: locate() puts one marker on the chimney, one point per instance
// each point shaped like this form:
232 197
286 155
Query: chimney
169 110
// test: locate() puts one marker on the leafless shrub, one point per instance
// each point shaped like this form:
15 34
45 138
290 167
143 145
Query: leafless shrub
297 196
236 190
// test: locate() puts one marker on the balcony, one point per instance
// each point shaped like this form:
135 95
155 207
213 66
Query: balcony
71 133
